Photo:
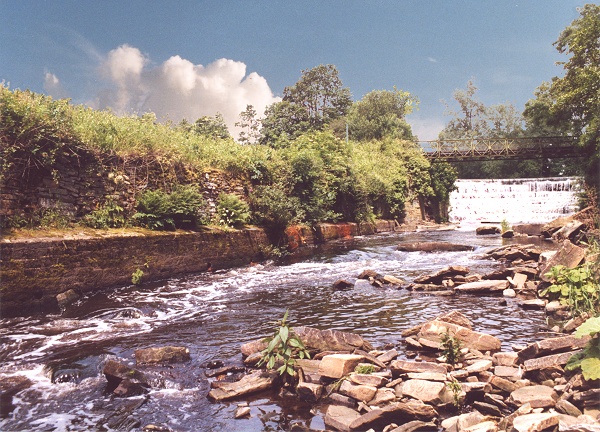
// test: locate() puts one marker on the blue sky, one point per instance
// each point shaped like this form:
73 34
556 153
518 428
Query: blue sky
192 58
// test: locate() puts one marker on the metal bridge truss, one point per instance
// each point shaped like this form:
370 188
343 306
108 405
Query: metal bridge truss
500 148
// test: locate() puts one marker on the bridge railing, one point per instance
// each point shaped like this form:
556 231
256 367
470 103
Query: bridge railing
500 148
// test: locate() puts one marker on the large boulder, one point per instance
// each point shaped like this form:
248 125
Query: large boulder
439 276
253 383
331 340
569 255
487 230
434 330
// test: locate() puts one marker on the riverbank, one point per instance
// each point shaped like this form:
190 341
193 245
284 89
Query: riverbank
40 274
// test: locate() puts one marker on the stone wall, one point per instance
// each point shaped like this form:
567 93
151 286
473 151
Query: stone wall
36 273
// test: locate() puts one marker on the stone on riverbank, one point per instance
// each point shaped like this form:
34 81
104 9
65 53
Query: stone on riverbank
433 247
167 354
487 230
483 286
331 340
433 331
252 383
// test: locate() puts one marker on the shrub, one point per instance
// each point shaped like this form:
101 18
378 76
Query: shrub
577 288
110 215
136 277
232 211
588 360
283 348
183 208
451 347
273 208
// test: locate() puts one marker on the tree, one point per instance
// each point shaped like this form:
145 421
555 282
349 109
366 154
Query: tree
249 124
575 97
381 113
470 121
211 127
321 93
283 121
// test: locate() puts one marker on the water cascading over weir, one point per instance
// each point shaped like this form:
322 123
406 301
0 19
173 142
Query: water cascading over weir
530 200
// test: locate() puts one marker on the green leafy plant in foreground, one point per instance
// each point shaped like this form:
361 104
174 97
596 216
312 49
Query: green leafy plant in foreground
136 277
457 393
283 348
505 226
577 288
588 360
364 369
451 347
232 210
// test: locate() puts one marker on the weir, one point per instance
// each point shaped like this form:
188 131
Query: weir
529 200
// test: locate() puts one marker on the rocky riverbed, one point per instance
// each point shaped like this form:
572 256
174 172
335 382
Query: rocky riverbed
361 386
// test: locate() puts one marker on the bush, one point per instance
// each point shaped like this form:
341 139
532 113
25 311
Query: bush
110 215
273 208
232 211
183 208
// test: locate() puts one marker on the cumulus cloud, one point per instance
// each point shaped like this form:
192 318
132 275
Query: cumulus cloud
426 129
53 86
178 88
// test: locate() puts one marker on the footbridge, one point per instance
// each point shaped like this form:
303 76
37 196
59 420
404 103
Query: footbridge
501 148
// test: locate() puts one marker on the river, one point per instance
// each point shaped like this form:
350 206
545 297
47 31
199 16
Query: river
212 314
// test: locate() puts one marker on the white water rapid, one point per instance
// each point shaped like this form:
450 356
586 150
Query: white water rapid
532 200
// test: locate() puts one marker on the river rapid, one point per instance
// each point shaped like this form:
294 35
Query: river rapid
61 356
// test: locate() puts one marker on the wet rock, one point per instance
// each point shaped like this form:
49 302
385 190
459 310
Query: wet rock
129 387
224 371
252 383
508 234
242 412
528 229
483 286
253 347
309 392
121 418
167 354
339 365
214 364
509 292
469 338
426 287
487 230
331 340
535 422
342 284
439 276
367 274
569 255
115 372
338 399
433 247
532 304
397 412
340 417
67 297
392 280
156 428
538 396
10 386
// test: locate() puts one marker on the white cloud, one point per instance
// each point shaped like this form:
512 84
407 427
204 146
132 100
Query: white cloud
178 89
53 86
432 60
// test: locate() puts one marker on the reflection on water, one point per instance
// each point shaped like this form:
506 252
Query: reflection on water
212 315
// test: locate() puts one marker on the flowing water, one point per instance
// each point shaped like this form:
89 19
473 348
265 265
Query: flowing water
61 357
534 200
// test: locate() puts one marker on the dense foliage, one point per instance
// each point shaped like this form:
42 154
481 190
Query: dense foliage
310 176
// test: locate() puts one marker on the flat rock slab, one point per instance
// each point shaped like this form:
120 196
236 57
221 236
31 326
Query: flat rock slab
535 422
439 276
470 339
433 247
483 286
253 383
340 417
432 392
398 412
331 340
538 396
569 255
399 367
548 361
552 346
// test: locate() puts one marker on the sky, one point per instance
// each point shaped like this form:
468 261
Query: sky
187 59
